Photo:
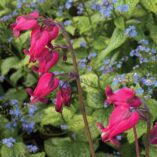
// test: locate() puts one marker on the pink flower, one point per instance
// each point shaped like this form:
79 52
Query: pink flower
47 83
122 96
46 61
121 119
63 97
153 134
39 39
25 22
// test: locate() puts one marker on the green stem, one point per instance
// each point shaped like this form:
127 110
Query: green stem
80 92
136 142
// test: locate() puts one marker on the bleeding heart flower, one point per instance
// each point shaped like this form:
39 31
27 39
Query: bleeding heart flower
63 97
121 119
46 61
153 134
39 39
25 22
47 83
122 96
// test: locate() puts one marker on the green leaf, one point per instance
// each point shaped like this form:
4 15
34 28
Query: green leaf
37 155
89 80
50 116
153 31
95 98
151 5
19 94
16 76
8 64
71 29
30 80
152 105
119 22
131 3
18 150
83 23
64 147
117 39
99 43
140 128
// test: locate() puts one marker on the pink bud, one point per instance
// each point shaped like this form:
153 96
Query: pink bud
47 83
63 97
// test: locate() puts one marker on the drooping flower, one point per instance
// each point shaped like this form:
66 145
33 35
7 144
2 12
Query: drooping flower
25 22
63 98
47 83
121 119
39 39
153 134
46 61
122 96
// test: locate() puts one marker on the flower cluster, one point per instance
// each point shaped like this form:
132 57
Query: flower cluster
124 116
42 51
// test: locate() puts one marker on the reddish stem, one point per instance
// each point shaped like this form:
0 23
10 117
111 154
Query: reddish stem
136 142
82 106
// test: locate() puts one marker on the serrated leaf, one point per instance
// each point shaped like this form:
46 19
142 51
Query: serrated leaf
8 64
117 39
64 147
140 129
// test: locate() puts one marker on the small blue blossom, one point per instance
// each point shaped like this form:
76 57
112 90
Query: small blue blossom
9 142
143 42
14 102
139 91
153 51
92 55
64 127
60 11
136 77
80 9
107 61
68 4
32 148
95 7
155 83
28 127
105 104
32 110
83 44
131 31
123 8
67 22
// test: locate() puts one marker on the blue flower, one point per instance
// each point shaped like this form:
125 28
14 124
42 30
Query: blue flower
131 31
28 127
107 61
122 8
9 142
68 4
92 55
64 127
80 9
32 148
144 42
67 22
32 110
139 91
14 102
83 44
